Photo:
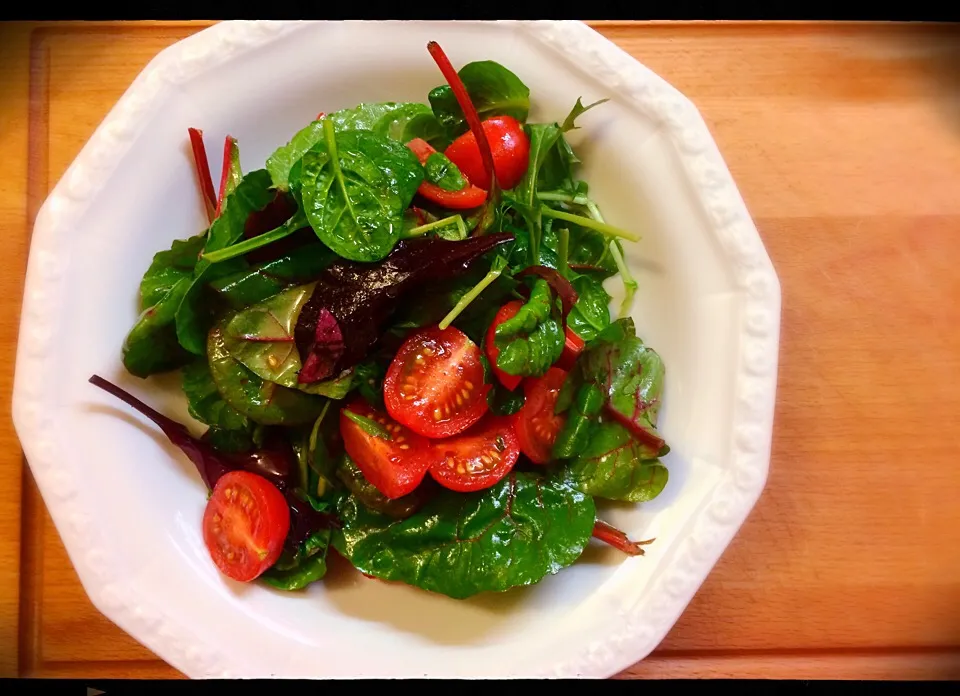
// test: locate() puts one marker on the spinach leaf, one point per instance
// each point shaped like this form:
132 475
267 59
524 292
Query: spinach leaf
630 375
281 162
493 89
205 403
152 346
532 340
515 533
261 338
368 377
441 171
617 466
229 440
194 316
577 429
265 280
368 495
168 268
406 122
307 565
591 313
356 186
261 401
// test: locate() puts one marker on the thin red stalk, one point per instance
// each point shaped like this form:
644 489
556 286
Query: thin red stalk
162 421
609 534
203 170
319 116
638 432
225 171
469 112
563 287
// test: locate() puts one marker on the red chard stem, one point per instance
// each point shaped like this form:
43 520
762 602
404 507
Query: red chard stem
609 534
203 171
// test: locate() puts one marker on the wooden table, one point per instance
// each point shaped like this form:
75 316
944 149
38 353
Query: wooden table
845 142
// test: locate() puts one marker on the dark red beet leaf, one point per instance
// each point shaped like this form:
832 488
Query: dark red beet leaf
609 534
559 284
344 317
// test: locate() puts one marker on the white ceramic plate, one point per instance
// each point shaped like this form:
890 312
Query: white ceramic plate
128 505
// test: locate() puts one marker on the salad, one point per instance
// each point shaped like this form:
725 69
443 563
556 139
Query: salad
398 336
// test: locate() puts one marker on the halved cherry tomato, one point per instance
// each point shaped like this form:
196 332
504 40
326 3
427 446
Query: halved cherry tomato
572 347
508 310
536 424
468 197
395 466
434 385
245 524
478 458
509 145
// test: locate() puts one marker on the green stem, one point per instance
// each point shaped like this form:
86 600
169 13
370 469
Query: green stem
563 251
472 294
590 223
561 197
261 240
629 284
594 211
423 229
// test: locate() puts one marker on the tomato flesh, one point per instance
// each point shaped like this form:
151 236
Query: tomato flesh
395 466
245 524
468 197
478 458
508 311
572 347
434 385
509 145
536 424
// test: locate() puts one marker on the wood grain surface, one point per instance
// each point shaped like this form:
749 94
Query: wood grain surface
845 143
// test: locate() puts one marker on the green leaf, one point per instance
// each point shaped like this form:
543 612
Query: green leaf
308 565
194 315
204 401
234 172
616 466
282 160
261 338
355 200
578 427
228 440
515 533
368 494
368 376
441 171
152 345
577 110
530 341
252 285
493 89
409 121
261 401
591 313
502 401
169 268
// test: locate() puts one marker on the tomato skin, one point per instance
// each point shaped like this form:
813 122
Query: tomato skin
478 458
434 385
245 524
395 467
507 311
466 198
536 424
509 145
572 347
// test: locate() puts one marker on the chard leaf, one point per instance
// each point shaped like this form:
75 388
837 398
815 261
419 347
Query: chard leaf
152 345
308 564
261 338
515 533
194 315
168 268
532 340
617 466
261 401
493 89
355 199
591 313
368 494
205 403
441 171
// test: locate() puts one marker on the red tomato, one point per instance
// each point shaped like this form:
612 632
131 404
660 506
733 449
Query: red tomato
489 345
468 197
478 458
536 424
509 145
434 385
245 525
395 466
572 347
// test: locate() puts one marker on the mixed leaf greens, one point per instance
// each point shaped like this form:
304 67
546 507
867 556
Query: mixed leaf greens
330 282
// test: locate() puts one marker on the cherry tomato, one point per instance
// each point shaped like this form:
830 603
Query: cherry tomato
434 385
395 466
245 525
509 145
478 458
508 310
572 347
536 424
468 197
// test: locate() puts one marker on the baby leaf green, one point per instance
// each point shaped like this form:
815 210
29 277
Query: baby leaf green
493 89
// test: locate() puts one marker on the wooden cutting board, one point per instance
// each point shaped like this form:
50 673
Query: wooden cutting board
845 142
